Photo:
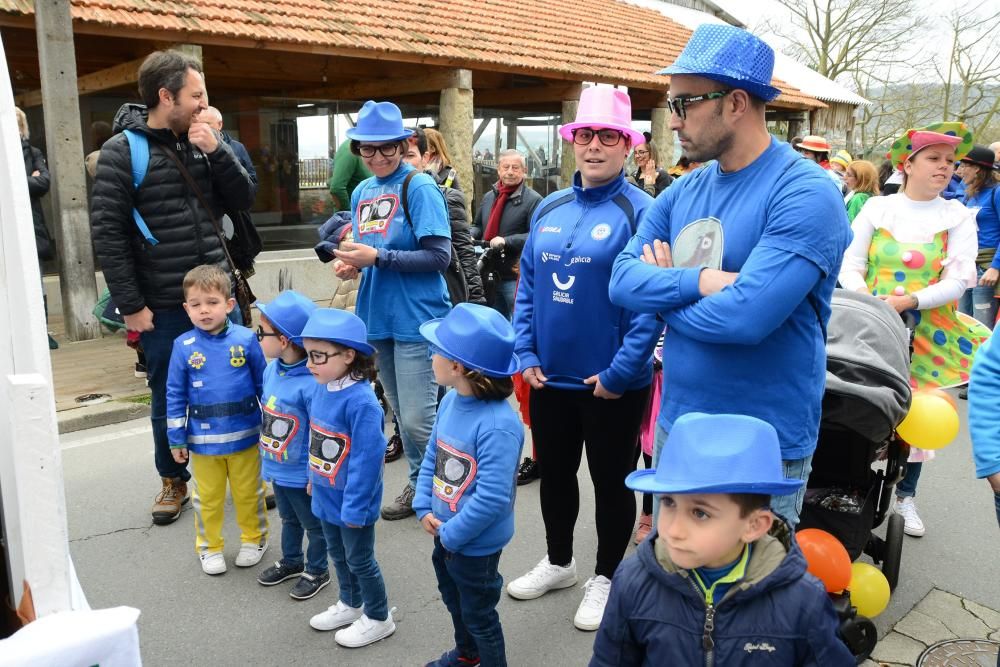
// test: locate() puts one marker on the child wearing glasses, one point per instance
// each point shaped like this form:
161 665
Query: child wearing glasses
346 450
213 416
284 444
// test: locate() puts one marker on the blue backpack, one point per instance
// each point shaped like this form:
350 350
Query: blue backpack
138 146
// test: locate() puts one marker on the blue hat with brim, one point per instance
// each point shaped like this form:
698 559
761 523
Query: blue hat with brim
731 56
338 326
718 454
477 337
379 121
288 313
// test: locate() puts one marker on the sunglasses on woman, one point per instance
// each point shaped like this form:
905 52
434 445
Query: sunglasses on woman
584 135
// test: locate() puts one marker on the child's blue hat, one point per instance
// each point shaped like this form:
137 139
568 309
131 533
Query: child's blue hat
288 313
338 326
731 56
718 454
478 337
379 121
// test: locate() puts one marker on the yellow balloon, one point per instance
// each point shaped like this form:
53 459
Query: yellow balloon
931 423
869 589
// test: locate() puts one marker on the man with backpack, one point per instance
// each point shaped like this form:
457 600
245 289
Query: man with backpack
156 179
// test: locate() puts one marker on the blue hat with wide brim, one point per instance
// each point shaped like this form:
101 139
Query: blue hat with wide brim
718 454
338 326
288 313
478 337
379 121
731 56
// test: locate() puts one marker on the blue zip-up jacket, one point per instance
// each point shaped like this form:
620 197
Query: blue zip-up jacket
346 453
213 386
468 476
564 320
778 614
984 396
284 434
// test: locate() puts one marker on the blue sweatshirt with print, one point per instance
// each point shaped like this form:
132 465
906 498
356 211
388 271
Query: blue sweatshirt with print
346 454
565 322
984 396
468 476
214 382
284 434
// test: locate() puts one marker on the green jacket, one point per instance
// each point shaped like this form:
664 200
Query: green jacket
855 203
348 172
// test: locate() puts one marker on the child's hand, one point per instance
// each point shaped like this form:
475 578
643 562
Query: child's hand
309 488
430 523
180 454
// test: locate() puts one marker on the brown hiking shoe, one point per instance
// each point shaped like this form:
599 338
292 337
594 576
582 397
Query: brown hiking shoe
167 506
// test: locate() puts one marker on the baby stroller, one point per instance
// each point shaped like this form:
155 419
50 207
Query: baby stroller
867 395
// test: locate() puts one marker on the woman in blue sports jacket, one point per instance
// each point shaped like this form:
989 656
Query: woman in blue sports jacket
588 361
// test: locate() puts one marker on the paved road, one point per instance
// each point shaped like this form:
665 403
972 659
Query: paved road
188 617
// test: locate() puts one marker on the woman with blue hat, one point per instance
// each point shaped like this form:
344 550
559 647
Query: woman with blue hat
466 488
402 243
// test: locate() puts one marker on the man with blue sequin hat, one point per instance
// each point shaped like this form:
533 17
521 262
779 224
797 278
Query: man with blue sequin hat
739 257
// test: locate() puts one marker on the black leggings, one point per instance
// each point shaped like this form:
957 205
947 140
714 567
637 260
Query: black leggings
563 421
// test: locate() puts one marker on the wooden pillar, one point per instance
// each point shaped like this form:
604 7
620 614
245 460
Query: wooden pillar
567 164
496 137
511 133
456 120
663 136
61 108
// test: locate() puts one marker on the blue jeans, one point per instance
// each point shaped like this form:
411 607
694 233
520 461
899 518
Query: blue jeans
408 379
788 507
297 519
470 589
157 344
979 302
504 301
907 487
358 574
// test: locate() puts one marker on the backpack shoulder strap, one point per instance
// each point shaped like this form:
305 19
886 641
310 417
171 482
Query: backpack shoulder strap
138 146
406 205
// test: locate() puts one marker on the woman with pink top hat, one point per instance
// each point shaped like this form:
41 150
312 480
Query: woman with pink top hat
917 251
588 361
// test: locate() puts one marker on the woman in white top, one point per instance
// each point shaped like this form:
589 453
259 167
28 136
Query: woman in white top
918 251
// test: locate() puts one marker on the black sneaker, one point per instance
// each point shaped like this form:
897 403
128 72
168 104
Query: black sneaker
394 448
527 472
309 585
277 573
401 507
964 393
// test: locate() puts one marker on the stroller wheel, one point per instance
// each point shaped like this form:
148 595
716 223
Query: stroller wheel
893 550
860 635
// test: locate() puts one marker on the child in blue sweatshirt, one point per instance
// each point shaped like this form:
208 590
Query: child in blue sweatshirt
284 444
213 416
346 450
466 488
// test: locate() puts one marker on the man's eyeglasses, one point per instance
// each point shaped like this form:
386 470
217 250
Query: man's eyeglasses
261 334
319 358
387 150
680 103
582 136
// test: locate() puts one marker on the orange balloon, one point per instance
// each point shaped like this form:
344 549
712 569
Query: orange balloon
826 557
945 395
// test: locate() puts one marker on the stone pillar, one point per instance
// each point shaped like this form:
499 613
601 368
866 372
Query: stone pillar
61 107
567 164
456 121
663 136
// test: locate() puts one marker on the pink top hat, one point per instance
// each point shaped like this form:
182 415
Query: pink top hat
604 106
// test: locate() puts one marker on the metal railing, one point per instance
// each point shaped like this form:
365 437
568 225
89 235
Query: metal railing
314 172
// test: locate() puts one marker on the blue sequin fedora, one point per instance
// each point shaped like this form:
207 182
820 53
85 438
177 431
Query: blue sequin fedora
731 56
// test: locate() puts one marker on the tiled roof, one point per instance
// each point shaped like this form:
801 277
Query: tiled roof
606 41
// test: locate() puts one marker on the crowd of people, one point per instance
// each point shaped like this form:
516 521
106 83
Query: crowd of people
728 265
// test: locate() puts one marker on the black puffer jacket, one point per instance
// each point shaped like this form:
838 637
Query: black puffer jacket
37 187
143 275
515 222
462 251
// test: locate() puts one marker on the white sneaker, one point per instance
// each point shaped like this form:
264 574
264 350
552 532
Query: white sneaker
336 616
595 597
365 631
212 562
250 554
912 525
543 578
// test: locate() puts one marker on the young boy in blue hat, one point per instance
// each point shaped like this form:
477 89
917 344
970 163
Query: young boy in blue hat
722 579
346 451
466 488
284 444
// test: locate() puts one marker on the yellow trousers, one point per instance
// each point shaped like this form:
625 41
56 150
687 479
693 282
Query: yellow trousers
209 474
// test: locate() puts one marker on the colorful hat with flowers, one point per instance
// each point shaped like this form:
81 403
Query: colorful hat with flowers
953 133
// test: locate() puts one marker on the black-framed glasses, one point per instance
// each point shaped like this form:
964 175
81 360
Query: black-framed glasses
387 150
680 103
261 334
319 358
638 152
582 136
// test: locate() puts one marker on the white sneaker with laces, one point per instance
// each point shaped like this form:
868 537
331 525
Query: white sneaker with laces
543 578
595 597
212 562
250 554
365 631
912 525
337 616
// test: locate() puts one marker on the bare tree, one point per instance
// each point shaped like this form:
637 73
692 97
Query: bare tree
971 76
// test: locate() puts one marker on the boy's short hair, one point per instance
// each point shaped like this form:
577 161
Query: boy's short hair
208 278
488 388
295 346
363 366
